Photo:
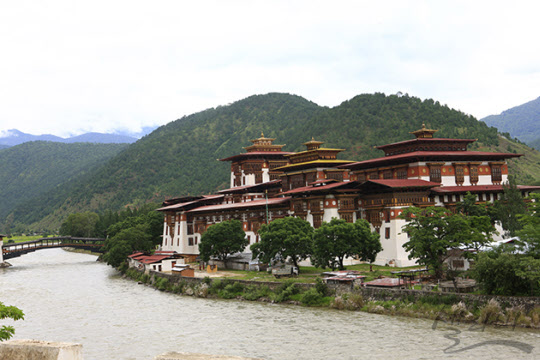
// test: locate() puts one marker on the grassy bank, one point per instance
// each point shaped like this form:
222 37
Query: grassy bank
310 274
447 308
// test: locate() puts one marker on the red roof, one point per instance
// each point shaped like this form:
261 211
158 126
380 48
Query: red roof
150 259
182 205
314 188
479 188
256 154
247 204
425 140
134 255
244 187
438 155
404 183
385 282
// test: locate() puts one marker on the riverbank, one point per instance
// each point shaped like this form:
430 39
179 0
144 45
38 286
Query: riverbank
449 308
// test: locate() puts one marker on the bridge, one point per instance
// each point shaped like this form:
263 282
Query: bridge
17 249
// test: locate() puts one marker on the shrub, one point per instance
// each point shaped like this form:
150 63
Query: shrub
535 316
145 278
354 302
231 291
286 293
491 313
123 267
321 287
338 303
162 284
254 292
312 298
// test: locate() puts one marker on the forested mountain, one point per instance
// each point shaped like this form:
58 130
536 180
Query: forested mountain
180 158
37 168
522 122
15 137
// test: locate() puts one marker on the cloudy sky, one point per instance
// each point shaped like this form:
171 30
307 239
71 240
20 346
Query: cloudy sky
71 66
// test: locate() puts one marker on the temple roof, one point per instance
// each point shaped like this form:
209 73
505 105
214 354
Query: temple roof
480 188
428 156
243 205
197 201
314 164
252 188
258 154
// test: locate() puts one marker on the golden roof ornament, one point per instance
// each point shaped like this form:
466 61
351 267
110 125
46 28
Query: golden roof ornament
424 133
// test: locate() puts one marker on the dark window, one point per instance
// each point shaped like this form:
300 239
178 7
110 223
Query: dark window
435 174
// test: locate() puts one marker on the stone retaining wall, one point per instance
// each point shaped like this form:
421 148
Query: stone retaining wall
381 294
528 302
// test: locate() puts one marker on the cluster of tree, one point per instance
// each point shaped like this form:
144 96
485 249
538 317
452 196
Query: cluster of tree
294 239
180 158
514 269
506 270
435 232
126 231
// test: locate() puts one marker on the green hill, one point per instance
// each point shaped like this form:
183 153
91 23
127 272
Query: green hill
522 122
37 168
180 157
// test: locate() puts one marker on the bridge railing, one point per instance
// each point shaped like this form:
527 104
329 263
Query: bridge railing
52 242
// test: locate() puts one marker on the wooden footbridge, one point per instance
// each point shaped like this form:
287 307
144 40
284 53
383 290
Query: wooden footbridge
17 249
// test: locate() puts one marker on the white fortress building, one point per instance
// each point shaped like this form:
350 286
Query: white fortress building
268 183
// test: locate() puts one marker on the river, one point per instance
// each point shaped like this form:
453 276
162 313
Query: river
70 297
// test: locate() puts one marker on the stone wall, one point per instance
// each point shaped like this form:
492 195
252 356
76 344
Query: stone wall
381 294
470 299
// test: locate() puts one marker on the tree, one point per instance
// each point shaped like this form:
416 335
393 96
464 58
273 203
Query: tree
509 207
433 231
469 207
529 235
11 312
222 239
501 272
125 243
289 237
338 239
80 224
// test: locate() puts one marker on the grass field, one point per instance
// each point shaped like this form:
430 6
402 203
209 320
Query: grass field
23 238
309 274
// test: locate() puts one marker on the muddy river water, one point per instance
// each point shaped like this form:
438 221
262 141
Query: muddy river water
70 297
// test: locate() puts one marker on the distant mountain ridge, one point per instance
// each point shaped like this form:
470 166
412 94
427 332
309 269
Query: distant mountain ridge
521 122
15 137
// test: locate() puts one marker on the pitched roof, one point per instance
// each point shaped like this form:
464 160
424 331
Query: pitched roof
304 189
428 155
189 203
404 183
257 154
479 188
243 205
252 187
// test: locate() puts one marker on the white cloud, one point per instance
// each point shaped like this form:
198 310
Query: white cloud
69 67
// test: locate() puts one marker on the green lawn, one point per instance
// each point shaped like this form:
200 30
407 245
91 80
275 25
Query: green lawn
23 238
309 274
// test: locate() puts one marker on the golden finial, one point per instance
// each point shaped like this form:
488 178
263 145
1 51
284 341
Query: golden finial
262 134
